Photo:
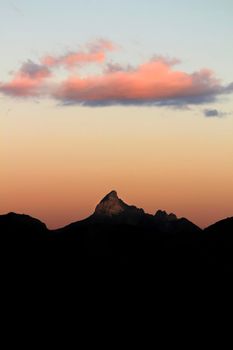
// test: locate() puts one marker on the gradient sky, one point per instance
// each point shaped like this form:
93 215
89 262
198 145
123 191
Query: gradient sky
132 95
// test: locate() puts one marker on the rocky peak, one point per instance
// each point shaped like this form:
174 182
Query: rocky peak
112 205
162 215
110 196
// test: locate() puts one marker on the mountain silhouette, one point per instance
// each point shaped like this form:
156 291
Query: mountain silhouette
123 236
18 227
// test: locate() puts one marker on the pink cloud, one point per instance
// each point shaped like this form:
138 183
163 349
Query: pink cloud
94 52
156 82
26 81
72 59
152 82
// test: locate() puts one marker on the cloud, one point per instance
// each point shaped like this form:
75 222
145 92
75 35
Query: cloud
34 71
214 113
228 89
211 113
94 52
116 67
26 81
155 82
152 83
15 8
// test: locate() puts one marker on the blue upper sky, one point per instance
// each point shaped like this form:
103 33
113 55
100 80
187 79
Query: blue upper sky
198 32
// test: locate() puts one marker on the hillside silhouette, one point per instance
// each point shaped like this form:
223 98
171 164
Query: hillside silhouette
119 236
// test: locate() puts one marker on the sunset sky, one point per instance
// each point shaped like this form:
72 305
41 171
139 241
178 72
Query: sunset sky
130 95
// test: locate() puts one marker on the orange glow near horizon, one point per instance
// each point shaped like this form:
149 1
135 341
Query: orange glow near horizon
57 166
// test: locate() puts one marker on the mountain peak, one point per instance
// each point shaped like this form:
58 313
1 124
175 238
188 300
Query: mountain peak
110 205
110 195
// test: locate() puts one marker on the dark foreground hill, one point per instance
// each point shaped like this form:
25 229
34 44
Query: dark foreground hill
121 265
119 237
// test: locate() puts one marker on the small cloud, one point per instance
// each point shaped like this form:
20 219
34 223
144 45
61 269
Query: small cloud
116 67
34 70
229 88
101 45
170 61
214 113
92 52
15 8
26 81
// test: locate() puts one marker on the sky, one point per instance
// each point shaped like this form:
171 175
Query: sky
134 96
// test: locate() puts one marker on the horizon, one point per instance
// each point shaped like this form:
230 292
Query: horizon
93 99
102 200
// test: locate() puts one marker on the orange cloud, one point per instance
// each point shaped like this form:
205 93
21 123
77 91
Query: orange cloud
95 52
